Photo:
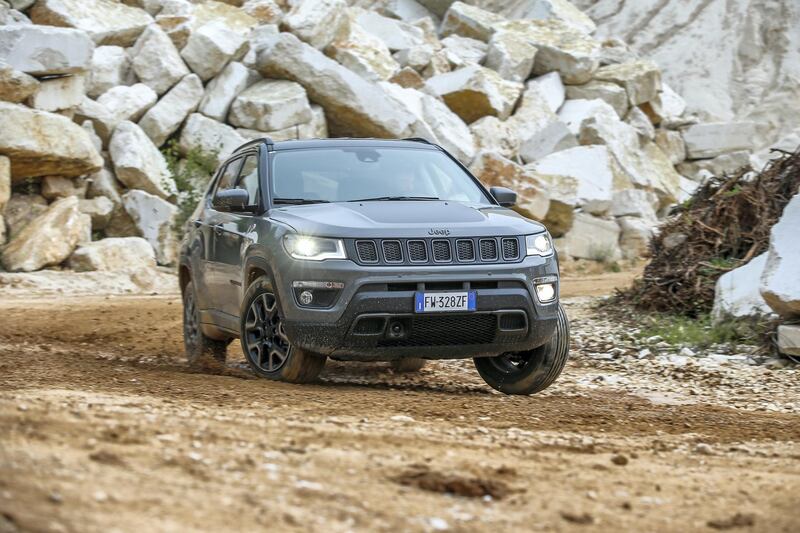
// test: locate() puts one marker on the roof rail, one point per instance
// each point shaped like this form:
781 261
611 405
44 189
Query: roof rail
254 142
417 140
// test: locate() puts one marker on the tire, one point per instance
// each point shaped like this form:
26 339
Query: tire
265 345
198 347
407 364
532 371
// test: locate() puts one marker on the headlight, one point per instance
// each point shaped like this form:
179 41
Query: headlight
538 244
314 248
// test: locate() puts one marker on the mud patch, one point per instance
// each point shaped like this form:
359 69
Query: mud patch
423 478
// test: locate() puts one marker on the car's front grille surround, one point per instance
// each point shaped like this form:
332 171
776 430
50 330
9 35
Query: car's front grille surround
436 251
447 330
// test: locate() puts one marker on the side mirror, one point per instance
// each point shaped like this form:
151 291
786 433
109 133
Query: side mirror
504 197
231 200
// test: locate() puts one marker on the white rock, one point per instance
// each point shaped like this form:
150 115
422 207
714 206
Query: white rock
55 187
446 127
20 210
667 105
551 88
715 138
55 94
49 239
354 107
363 53
88 127
609 92
592 238
671 143
779 282
396 34
511 56
495 170
686 189
120 254
154 219
464 50
561 10
574 112
539 130
417 57
103 183
640 79
222 90
264 11
45 144
317 127
635 236
164 118
494 135
44 50
128 102
317 22
110 67
736 293
105 21
138 163
211 47
634 203
5 181
270 105
405 10
103 121
474 92
99 209
639 121
15 85
717 166
156 61
789 339
469 21
209 136
560 48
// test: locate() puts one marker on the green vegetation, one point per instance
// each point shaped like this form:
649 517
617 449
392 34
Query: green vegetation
191 174
700 331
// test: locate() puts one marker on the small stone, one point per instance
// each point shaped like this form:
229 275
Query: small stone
703 449
619 460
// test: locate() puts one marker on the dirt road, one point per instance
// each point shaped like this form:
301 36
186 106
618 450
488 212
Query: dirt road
103 427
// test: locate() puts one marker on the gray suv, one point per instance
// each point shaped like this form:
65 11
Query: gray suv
369 250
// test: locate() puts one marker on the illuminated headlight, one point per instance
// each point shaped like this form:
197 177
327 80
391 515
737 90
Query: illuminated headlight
546 292
538 244
314 248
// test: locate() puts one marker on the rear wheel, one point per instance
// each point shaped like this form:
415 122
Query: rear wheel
531 371
264 340
407 364
199 347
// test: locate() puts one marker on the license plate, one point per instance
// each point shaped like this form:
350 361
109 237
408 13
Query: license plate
439 302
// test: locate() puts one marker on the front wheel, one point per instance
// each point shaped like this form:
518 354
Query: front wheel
264 340
531 371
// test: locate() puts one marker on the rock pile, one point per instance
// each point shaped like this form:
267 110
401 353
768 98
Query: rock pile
91 91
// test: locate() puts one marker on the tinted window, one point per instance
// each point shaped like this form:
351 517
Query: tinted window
345 174
248 178
228 178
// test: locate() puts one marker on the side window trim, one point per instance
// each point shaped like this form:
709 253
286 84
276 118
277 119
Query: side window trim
240 177
232 161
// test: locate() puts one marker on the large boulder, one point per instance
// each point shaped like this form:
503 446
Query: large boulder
138 163
716 166
49 239
561 10
111 66
510 55
570 52
128 102
264 11
667 105
463 51
106 21
44 50
222 90
15 85
635 236
317 22
55 187
539 130
44 144
117 254
154 219
789 339
609 92
156 61
164 118
494 135
99 210
21 210
63 92
551 88
469 21
363 53
209 136
736 294
211 47
591 238
640 79
270 105
104 184
634 203
474 92
671 143
779 281
715 138
495 170
396 34
354 107
103 121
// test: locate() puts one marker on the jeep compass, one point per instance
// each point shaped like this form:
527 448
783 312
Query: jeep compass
369 250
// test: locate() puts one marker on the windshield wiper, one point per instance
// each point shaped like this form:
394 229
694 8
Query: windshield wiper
394 199
298 201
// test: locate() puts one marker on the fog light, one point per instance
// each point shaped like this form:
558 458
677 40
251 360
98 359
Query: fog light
306 297
546 292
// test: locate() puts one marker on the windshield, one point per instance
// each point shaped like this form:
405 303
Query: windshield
368 173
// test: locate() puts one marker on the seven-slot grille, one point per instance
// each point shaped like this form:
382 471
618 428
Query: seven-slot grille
437 251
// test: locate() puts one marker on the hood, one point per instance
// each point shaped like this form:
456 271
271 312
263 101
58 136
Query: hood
404 219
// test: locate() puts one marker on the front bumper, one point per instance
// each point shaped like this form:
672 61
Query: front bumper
373 318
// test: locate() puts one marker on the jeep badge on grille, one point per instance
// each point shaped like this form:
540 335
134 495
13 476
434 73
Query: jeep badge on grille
439 232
